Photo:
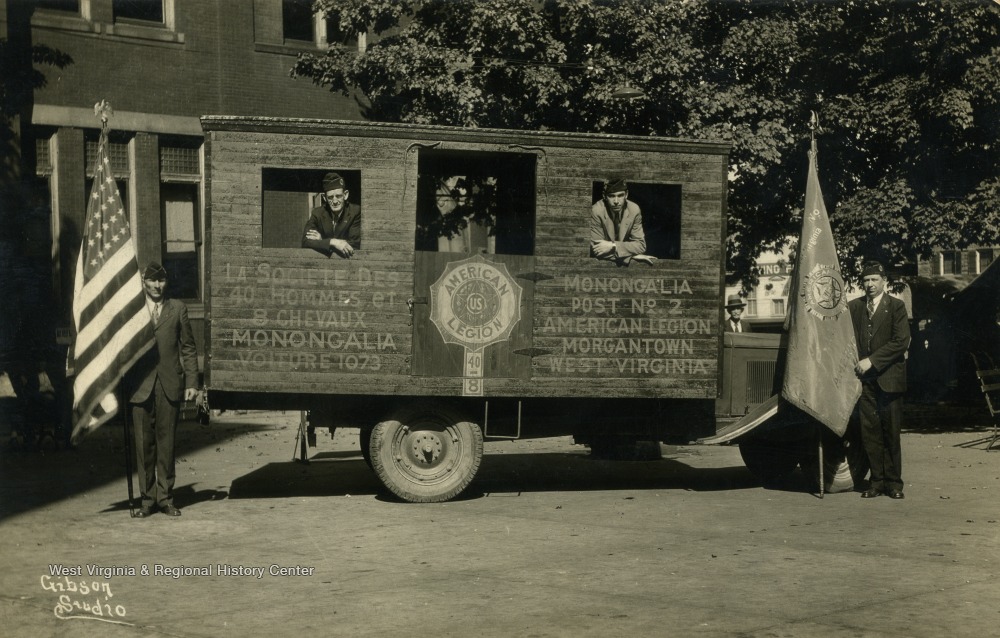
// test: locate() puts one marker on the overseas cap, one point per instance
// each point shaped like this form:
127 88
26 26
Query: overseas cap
154 271
873 268
332 181
615 186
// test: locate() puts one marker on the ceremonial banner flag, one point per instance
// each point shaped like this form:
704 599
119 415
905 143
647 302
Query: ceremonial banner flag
113 326
819 367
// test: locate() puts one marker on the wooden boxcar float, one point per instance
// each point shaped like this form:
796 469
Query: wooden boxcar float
472 307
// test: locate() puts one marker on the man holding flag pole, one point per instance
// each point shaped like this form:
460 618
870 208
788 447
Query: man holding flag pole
125 326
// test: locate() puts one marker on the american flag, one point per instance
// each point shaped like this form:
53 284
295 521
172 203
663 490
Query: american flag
113 326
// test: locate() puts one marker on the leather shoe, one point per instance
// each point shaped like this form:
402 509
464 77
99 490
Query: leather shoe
144 512
870 493
170 510
896 494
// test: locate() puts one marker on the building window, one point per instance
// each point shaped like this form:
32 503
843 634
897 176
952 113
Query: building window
43 154
117 153
69 6
951 262
752 304
181 214
335 35
777 307
984 257
179 205
297 20
139 10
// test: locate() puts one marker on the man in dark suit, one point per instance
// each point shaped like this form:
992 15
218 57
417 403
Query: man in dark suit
882 332
335 227
616 232
734 323
167 373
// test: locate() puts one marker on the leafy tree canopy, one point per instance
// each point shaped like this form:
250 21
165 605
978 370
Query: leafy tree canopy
907 93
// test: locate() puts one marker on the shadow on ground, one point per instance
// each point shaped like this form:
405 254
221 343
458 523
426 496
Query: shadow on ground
33 479
346 473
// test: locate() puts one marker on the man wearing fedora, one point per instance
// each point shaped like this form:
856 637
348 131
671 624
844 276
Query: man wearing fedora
882 332
155 385
734 323
616 232
334 228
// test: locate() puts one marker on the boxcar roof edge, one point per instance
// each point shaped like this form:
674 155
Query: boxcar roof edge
460 134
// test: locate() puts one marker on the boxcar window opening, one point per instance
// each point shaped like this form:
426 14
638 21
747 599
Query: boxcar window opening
475 202
289 195
660 205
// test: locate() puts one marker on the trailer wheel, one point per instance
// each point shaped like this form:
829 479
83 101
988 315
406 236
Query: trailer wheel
770 460
426 454
365 440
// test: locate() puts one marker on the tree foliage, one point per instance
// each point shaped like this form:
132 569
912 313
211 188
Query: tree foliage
907 94
19 78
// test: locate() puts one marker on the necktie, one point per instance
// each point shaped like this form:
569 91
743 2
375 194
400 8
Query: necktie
156 313
871 307
738 326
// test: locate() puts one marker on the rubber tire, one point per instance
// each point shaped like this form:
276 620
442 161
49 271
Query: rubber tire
426 454
845 464
770 460
365 440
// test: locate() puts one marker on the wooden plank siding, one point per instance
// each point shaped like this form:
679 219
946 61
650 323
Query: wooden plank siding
290 320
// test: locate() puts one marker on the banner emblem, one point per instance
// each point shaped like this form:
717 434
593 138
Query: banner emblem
824 291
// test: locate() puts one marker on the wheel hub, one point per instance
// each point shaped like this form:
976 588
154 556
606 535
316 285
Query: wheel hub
426 447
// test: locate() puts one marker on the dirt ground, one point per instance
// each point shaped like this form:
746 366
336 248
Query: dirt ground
546 542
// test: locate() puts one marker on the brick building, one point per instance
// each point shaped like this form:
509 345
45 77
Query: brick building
161 64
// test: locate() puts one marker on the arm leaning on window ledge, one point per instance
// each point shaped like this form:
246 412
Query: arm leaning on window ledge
334 227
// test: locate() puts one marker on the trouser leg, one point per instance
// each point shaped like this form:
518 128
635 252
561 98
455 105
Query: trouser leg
145 449
891 417
871 434
166 426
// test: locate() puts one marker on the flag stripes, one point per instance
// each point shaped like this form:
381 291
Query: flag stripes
104 314
113 325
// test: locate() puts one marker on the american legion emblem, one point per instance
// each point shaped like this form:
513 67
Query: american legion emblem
475 303
824 291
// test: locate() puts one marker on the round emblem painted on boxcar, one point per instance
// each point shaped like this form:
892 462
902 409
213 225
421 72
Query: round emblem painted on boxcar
475 303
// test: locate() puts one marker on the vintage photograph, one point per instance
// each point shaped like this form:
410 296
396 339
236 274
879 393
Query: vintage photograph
500 317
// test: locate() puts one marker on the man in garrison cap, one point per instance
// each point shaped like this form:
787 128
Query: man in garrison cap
734 323
882 332
334 228
155 386
616 227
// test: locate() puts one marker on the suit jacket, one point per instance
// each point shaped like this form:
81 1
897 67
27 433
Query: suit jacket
727 325
173 359
890 338
321 220
631 240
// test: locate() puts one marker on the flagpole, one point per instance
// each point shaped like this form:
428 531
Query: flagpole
813 129
128 452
